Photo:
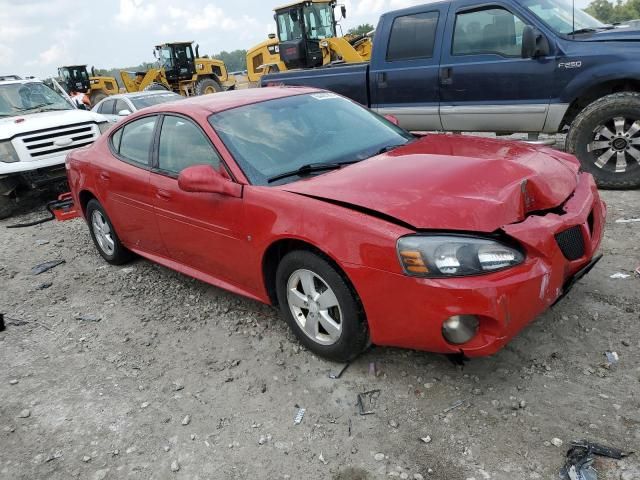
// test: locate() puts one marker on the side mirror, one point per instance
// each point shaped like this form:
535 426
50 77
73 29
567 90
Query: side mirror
392 119
534 43
343 10
206 179
124 113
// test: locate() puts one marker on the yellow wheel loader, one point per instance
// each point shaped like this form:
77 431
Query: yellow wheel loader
182 72
76 77
307 38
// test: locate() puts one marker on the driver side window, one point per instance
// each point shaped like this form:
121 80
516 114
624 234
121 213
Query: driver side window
176 133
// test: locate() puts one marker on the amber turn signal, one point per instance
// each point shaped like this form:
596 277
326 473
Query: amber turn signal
412 261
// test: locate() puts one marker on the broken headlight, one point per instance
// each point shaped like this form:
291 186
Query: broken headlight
8 153
454 255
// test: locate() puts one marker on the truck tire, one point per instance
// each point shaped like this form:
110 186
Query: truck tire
96 97
155 86
207 86
7 205
605 137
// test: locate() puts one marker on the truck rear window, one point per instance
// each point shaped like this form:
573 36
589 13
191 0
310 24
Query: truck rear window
412 36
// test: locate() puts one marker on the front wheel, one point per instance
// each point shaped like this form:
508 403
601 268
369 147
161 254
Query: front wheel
206 86
104 235
320 307
605 137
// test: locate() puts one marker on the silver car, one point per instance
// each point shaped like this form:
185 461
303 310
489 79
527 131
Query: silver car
116 107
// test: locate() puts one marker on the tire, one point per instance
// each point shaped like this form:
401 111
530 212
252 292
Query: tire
604 138
104 235
207 86
337 332
155 86
96 97
7 206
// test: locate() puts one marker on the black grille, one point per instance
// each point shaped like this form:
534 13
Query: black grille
571 242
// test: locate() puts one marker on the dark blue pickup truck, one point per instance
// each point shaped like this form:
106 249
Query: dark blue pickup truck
503 66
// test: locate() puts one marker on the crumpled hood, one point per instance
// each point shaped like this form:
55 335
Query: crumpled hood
9 127
451 182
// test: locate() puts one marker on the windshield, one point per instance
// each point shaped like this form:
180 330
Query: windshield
289 25
31 97
156 99
558 14
165 57
277 136
318 19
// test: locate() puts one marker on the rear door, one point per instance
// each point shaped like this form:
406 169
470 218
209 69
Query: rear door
404 78
199 230
123 183
486 85
106 108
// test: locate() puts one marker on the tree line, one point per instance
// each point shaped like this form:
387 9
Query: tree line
614 12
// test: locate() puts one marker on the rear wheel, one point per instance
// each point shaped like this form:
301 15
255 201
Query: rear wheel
605 137
7 206
104 235
155 86
320 307
207 86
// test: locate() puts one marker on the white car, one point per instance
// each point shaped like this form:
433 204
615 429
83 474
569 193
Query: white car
115 107
38 127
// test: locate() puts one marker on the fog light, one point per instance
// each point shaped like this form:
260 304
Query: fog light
460 328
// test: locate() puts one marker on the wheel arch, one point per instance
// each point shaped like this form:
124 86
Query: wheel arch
85 196
281 247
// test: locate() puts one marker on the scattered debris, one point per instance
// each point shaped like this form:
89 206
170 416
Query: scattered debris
372 369
44 286
426 439
620 275
86 459
378 457
26 413
54 456
43 267
628 220
88 318
321 458
556 442
580 457
175 466
367 401
349 423
393 424
612 358
42 242
186 420
299 416
454 405
337 373
13 381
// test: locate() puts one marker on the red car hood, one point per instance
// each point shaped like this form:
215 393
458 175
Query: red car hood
451 182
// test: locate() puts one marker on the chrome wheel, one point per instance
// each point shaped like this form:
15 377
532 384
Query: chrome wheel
102 232
617 141
314 306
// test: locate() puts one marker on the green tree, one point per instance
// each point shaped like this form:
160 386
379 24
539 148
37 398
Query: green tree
363 29
609 12
235 61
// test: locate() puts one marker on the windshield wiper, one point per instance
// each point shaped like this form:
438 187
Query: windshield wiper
589 30
32 108
388 148
310 168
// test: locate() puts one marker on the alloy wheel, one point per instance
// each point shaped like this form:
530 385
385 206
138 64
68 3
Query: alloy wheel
314 306
102 232
616 144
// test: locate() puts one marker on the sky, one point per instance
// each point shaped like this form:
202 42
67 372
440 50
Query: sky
37 36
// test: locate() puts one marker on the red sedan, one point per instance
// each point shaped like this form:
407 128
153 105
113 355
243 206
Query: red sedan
358 230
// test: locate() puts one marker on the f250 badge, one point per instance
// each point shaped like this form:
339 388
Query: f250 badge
568 65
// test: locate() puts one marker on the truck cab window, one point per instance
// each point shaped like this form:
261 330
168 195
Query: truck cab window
412 36
488 31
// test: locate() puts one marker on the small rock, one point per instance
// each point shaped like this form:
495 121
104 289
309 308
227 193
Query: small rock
193 436
186 420
144 405
378 457
404 475
393 424
417 476
88 318
13 381
426 439
262 440
630 475
86 459
522 404
26 413
556 442
100 474
166 448
175 466
321 458
626 343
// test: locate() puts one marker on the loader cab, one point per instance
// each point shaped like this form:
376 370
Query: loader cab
301 28
74 77
178 61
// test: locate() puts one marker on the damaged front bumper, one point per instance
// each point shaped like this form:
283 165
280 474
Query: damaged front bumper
560 247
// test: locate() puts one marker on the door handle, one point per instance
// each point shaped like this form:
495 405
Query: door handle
381 79
105 176
163 195
446 76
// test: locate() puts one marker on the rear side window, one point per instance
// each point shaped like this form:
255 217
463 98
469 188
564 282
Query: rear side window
135 140
107 107
412 36
176 134
121 105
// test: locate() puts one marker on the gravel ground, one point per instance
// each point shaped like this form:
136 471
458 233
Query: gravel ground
139 372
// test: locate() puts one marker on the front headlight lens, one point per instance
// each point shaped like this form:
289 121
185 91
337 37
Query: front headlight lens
8 153
104 126
454 255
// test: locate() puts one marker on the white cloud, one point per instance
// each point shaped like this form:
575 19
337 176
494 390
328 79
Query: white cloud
6 55
135 12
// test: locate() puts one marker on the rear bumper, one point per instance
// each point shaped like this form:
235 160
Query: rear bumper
408 312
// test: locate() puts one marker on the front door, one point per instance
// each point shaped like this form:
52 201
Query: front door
485 84
198 229
404 82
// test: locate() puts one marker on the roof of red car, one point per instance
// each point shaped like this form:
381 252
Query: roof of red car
218 102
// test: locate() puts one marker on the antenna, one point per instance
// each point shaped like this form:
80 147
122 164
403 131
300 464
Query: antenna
573 20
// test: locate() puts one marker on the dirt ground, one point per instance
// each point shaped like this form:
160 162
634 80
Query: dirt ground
137 372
